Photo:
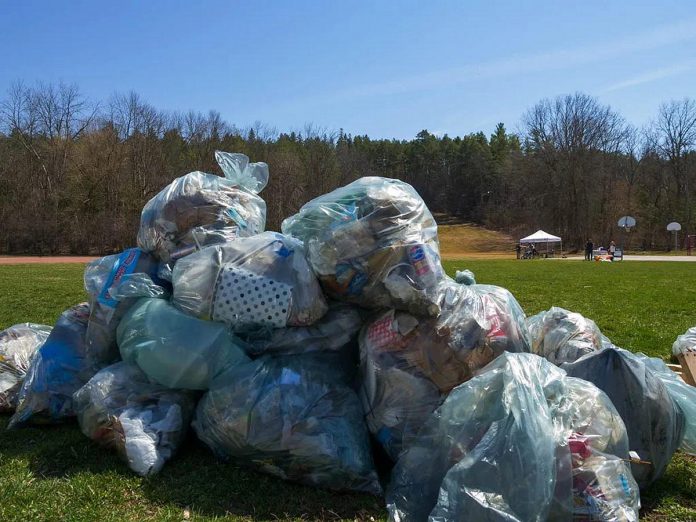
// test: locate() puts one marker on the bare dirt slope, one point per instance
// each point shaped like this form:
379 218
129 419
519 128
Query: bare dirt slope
467 240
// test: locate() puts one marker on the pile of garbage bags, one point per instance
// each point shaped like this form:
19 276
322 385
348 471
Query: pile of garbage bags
340 355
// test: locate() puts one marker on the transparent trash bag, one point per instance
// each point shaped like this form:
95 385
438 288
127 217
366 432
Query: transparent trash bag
60 368
561 336
291 417
200 209
685 342
519 442
175 349
259 282
114 284
144 423
409 363
332 333
372 243
655 423
683 394
18 346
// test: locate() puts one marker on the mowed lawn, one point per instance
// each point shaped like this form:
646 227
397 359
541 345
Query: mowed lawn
55 473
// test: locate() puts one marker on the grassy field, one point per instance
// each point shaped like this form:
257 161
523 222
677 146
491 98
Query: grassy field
55 473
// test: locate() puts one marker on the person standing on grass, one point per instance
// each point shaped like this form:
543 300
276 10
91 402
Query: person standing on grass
518 249
612 249
589 247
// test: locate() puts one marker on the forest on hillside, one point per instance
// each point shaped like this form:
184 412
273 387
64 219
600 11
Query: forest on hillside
75 173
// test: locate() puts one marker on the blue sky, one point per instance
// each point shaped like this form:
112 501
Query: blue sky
386 69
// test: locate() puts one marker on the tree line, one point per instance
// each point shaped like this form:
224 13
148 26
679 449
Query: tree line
75 174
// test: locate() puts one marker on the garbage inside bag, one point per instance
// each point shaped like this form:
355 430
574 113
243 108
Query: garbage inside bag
251 283
561 336
114 283
144 423
60 368
372 243
332 333
289 417
685 342
408 363
683 394
175 349
200 209
519 442
655 423
465 277
18 345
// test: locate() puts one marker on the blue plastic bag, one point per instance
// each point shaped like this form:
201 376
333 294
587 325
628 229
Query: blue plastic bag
60 368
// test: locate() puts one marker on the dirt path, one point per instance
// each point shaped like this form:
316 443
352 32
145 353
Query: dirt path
21 260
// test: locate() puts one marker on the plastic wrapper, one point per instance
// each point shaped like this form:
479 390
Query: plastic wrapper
143 422
291 417
465 277
332 333
58 370
655 423
408 363
561 336
200 209
519 442
372 243
683 394
685 342
175 349
18 345
253 283
114 283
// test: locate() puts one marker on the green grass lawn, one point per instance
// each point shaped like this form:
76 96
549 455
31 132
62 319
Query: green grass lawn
55 473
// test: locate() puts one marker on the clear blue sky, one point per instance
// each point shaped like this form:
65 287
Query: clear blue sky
387 69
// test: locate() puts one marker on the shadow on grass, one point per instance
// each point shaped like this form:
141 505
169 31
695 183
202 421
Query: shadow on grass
193 479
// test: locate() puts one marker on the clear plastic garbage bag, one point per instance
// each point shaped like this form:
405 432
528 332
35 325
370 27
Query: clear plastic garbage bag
683 394
519 442
114 284
332 333
259 282
143 422
175 349
291 417
655 422
201 209
409 363
60 368
685 342
561 336
372 243
18 346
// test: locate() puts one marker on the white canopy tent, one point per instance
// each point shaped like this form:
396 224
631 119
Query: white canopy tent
542 237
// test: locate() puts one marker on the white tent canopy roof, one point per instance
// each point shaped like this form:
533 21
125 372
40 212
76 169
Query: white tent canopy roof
540 237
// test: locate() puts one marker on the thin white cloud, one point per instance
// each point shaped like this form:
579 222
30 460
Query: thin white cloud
651 76
661 36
